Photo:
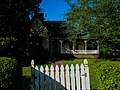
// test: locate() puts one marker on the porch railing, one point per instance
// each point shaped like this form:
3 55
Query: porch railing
80 52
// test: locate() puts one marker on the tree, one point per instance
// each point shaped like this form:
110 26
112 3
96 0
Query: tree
78 18
106 25
97 18
15 22
14 15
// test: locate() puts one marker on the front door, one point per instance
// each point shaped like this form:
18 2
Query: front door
56 47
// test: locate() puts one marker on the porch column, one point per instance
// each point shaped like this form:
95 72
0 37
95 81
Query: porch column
61 42
98 46
85 46
73 47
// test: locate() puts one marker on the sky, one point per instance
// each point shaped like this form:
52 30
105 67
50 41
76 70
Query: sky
54 9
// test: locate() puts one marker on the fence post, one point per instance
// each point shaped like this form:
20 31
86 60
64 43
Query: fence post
83 77
32 75
87 74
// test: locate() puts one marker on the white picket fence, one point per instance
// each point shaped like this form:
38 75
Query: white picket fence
61 77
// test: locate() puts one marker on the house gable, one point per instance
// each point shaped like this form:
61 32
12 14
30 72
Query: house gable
37 27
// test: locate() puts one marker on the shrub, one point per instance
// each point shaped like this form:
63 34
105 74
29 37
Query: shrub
10 74
108 74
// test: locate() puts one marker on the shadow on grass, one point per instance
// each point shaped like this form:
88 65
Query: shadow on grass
26 83
58 57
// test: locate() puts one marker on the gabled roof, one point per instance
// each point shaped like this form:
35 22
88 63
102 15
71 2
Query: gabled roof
37 26
55 28
40 16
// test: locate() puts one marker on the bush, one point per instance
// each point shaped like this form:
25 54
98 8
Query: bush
10 74
108 74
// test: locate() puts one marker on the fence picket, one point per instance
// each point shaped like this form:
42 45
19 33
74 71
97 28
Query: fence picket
60 78
57 77
72 77
37 78
41 78
77 77
47 77
67 77
52 77
83 77
32 75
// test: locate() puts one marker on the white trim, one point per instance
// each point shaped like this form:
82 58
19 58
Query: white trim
85 46
61 42
80 51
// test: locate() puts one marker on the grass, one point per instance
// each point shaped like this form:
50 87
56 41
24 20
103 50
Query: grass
26 71
26 78
92 66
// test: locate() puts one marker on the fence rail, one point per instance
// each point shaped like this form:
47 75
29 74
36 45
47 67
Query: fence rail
80 52
61 77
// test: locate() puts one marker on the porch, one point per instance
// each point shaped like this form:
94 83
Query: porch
79 47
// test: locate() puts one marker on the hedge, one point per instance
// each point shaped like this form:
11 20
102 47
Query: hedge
10 74
108 74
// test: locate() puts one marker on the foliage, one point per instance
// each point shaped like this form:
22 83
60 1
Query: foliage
15 23
14 15
6 45
108 74
21 6
6 40
106 25
78 19
97 18
10 74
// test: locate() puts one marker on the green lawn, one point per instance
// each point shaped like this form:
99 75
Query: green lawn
92 66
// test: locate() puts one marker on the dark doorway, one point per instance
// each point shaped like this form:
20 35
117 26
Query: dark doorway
56 47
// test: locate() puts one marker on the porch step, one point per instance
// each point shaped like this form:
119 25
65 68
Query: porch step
89 56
